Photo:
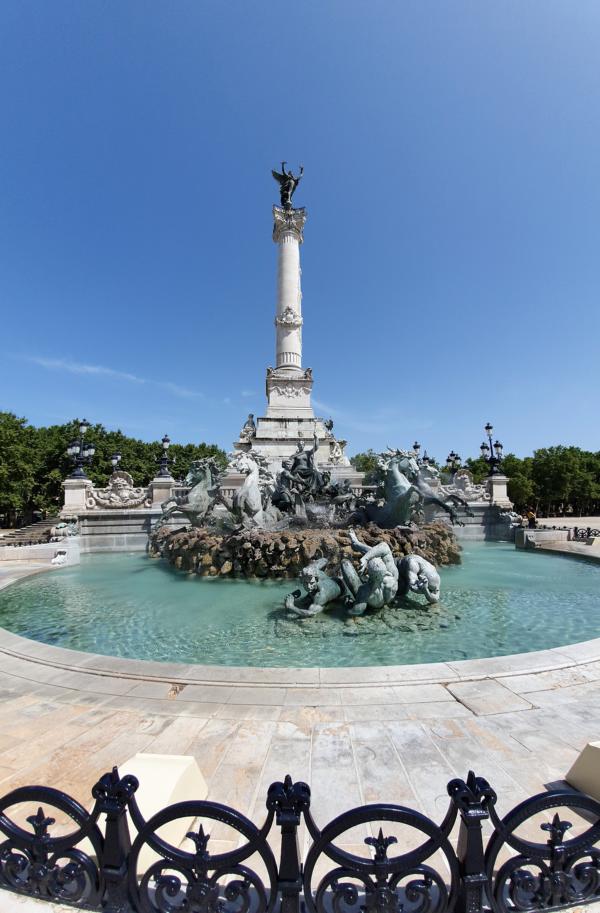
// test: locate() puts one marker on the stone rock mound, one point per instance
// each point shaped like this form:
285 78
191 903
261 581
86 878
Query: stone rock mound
257 553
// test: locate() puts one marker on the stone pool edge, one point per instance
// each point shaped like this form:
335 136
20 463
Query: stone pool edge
74 662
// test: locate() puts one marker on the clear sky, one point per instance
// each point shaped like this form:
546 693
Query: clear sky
451 265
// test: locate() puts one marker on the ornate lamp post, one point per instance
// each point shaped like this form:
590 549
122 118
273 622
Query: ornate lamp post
115 460
163 460
453 462
421 460
492 453
80 452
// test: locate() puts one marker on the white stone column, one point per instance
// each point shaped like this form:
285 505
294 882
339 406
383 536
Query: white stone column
288 235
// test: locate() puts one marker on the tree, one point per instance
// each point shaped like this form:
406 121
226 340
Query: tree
368 463
17 465
478 468
521 489
34 462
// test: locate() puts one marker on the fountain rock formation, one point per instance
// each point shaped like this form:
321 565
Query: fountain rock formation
285 553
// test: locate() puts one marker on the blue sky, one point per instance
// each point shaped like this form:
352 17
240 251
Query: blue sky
451 271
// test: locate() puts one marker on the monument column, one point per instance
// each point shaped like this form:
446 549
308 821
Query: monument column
288 235
289 385
290 424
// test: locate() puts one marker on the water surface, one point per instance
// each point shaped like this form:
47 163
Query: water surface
498 601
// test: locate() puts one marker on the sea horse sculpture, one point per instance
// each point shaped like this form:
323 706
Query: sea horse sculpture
203 479
406 492
251 504
401 497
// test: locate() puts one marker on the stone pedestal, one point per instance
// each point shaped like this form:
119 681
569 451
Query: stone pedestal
76 491
161 490
496 485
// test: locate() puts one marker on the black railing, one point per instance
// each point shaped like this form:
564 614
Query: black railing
425 875
580 532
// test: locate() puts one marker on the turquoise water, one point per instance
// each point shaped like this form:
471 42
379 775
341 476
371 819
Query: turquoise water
498 601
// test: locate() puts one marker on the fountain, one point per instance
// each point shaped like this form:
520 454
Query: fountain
379 564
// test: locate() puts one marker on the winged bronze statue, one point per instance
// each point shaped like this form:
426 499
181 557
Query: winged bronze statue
287 184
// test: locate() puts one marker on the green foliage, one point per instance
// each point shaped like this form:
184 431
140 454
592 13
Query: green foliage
553 481
566 476
34 462
478 468
368 463
17 466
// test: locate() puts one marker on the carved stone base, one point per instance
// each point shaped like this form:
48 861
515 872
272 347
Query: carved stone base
288 393
277 439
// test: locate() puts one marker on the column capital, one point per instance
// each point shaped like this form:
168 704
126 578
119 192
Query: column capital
288 221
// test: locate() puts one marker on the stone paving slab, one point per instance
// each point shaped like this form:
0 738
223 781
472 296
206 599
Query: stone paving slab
487 697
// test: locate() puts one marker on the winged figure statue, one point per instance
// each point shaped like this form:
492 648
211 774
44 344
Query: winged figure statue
287 184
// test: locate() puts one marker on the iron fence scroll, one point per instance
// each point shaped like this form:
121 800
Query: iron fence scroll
95 865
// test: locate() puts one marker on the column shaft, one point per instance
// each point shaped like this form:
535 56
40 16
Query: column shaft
288 320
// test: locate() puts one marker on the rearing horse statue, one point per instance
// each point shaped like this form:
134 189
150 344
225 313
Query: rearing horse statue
405 493
401 497
252 501
203 479
408 464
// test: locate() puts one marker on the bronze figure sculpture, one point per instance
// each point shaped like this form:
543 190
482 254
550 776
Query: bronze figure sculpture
287 184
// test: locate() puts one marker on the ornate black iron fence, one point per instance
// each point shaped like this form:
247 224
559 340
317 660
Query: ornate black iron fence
580 532
100 869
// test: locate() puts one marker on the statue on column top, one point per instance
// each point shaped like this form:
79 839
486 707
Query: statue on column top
287 184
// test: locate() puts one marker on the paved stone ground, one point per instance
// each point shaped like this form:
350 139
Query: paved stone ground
570 521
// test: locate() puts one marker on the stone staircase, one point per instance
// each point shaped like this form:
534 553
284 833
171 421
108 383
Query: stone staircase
30 535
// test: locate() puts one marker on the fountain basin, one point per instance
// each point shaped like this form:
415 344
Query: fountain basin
498 602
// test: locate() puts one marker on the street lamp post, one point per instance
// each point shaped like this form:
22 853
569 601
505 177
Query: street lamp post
115 460
453 462
81 452
421 460
163 460
492 452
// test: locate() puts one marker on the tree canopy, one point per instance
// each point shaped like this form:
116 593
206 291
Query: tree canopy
34 461
554 480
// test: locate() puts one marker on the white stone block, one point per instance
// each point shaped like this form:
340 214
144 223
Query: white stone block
498 490
161 490
164 780
76 492
585 772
